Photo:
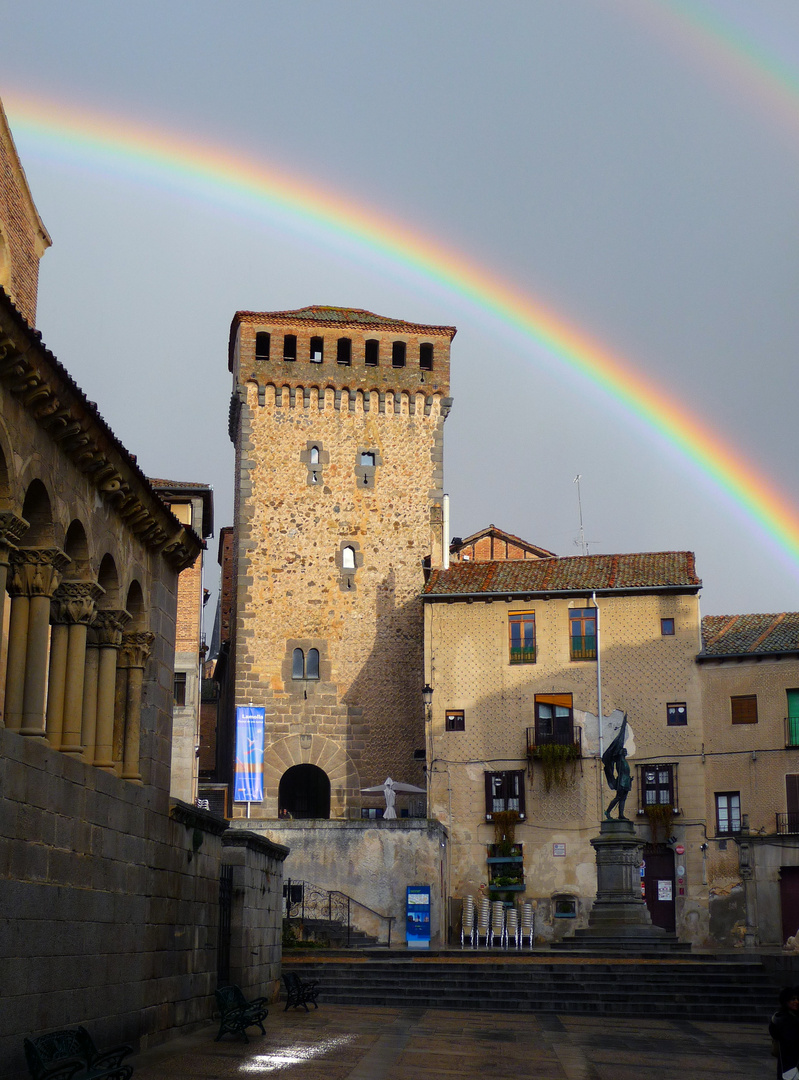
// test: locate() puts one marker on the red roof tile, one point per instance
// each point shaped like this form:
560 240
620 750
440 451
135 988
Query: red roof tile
742 635
576 574
317 314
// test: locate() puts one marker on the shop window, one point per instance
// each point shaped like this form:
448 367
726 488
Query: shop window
743 709
728 812
521 636
676 714
504 791
262 341
657 785
179 689
344 351
426 356
398 354
372 352
554 720
454 720
667 627
290 347
582 633
317 350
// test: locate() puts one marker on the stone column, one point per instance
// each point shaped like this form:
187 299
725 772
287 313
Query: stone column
12 529
88 731
137 648
108 626
59 639
35 575
75 602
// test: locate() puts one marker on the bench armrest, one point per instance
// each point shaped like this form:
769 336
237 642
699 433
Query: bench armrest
109 1059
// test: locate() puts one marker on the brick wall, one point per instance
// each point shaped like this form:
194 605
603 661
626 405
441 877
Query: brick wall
22 236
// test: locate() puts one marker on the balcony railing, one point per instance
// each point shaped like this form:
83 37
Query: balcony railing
792 731
583 647
522 655
571 738
787 823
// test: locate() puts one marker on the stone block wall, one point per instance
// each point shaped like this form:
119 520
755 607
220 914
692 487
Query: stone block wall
109 905
371 861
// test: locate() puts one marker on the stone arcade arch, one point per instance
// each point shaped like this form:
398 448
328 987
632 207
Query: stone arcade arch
304 793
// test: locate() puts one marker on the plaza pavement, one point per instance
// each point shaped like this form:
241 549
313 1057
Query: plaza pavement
347 1042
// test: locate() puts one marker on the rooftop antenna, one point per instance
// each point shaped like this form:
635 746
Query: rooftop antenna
581 541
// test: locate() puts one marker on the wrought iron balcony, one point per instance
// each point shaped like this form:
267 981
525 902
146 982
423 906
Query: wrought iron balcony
583 647
787 823
522 655
572 738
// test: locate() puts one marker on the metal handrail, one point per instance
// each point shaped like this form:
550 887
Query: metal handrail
313 901
787 823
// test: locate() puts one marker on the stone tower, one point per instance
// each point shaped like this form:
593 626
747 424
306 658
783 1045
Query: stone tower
337 417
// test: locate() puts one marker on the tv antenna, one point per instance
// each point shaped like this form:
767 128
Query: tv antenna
581 541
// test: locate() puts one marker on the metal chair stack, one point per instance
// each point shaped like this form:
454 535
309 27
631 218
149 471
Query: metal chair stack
484 919
528 923
467 921
498 923
512 928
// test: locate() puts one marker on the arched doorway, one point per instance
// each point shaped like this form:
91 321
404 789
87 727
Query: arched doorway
304 792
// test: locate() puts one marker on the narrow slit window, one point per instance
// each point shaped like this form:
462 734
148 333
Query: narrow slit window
262 340
344 350
348 558
367 459
290 347
179 689
317 350
312 664
314 455
372 352
426 356
398 354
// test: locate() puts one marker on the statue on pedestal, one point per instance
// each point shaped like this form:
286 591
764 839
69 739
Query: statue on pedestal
617 772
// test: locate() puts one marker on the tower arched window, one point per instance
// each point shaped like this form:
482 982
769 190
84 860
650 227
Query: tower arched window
262 340
290 347
398 354
372 352
344 350
426 356
298 664
314 455
348 558
312 664
367 458
317 350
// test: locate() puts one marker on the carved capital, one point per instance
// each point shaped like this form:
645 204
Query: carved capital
76 601
108 626
36 571
136 647
12 528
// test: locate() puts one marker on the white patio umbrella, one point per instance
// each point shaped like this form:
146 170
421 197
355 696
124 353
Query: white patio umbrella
389 787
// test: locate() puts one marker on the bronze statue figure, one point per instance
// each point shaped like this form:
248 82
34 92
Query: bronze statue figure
617 772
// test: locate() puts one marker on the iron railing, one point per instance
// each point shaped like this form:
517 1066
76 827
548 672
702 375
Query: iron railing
583 646
788 823
303 900
563 738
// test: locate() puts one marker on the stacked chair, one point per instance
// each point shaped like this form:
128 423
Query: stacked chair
468 928
512 929
528 923
484 919
498 923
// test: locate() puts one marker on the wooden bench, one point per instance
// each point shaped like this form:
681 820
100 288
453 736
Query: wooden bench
299 992
237 1013
71 1055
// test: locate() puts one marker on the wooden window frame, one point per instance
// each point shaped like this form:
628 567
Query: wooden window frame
673 718
505 787
179 685
454 720
667 628
729 796
520 653
743 709
582 616
657 785
562 733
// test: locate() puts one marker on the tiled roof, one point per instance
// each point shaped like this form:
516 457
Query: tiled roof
739 635
318 314
578 574
492 530
179 485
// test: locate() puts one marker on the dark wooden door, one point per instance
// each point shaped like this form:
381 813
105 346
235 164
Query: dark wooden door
789 901
659 886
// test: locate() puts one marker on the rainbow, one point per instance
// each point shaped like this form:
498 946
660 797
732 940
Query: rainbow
217 175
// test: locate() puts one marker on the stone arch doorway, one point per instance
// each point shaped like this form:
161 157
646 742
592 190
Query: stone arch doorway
304 792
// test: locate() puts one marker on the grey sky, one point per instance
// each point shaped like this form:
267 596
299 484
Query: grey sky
583 150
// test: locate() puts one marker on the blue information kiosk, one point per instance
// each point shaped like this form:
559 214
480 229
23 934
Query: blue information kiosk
417 917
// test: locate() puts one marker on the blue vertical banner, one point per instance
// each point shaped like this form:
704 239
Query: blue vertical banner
249 786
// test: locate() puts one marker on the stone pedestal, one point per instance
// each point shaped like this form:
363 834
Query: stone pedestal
619 912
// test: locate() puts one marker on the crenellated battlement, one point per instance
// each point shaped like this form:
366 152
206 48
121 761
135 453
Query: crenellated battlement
345 399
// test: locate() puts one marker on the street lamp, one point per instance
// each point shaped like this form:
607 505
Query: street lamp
427 698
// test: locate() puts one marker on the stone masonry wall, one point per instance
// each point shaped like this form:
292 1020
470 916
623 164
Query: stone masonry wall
362 720
21 241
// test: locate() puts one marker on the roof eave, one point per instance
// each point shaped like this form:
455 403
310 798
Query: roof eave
546 594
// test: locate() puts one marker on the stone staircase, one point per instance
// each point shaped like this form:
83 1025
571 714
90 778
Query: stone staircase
718 988
335 934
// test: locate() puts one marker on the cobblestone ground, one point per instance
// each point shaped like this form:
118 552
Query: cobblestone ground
338 1042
